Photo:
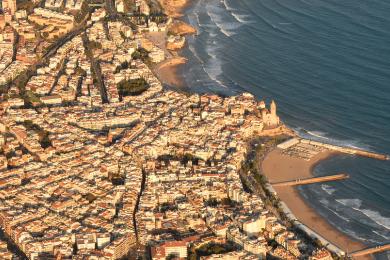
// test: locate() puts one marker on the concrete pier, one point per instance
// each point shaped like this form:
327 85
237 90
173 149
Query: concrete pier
336 177
348 150
369 251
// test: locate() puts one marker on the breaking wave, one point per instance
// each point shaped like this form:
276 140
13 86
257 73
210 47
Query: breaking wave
224 27
227 6
326 203
213 66
328 189
323 137
372 215
376 217
242 18
381 235
351 203
338 215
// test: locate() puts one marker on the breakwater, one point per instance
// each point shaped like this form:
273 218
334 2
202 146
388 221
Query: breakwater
369 251
348 150
336 177
340 149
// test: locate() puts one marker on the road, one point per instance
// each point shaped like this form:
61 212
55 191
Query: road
255 188
114 15
111 10
82 27
95 70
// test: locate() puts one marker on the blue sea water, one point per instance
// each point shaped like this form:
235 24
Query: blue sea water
327 64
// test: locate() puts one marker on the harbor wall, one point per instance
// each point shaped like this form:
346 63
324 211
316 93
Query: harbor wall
347 150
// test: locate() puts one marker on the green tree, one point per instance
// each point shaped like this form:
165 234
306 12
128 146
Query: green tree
132 87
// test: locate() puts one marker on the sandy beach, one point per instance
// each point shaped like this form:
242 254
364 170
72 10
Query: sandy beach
167 71
174 8
279 167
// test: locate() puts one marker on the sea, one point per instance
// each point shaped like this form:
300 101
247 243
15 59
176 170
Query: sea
327 65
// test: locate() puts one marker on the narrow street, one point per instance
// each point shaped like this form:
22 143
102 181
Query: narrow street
96 72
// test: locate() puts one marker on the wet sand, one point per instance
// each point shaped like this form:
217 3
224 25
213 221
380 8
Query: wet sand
278 167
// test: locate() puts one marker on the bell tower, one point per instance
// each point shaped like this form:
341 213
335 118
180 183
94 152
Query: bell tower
273 108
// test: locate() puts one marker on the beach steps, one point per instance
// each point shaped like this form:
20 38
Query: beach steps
296 182
369 251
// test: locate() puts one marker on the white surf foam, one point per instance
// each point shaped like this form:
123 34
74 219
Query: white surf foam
227 7
213 74
353 234
227 33
225 27
326 203
198 23
328 189
213 66
371 214
242 18
352 203
317 134
381 235
337 214
191 48
376 217
324 137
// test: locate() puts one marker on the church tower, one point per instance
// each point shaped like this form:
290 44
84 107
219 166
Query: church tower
273 108
270 118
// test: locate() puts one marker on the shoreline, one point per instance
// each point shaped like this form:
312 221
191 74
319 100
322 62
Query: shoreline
168 71
175 8
278 167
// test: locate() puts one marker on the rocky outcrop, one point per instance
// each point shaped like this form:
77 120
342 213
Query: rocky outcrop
181 28
175 42
173 8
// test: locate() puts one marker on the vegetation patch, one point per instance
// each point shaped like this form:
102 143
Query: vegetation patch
132 87
214 248
123 66
140 54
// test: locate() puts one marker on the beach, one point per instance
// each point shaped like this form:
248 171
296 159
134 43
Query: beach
222 62
279 167
174 8
167 71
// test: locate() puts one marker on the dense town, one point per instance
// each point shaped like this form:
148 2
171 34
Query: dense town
99 160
